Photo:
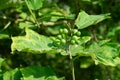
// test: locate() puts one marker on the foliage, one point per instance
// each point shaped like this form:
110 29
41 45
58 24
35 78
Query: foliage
58 34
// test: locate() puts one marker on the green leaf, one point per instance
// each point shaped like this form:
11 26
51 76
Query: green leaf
105 54
35 4
1 75
36 73
12 75
84 20
77 49
31 42
1 60
9 3
23 25
4 36
54 78
85 39
74 50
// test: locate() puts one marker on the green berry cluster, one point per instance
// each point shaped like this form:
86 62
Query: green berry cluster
66 36
75 36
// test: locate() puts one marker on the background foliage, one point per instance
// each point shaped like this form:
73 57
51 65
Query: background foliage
26 29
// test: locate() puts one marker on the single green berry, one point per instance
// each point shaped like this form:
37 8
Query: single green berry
75 38
59 36
65 31
61 31
56 42
77 41
78 33
74 31
63 41
72 42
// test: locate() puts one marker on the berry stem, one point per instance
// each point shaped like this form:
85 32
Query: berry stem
69 53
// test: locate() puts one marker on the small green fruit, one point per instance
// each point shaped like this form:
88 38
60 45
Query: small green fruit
72 42
56 42
77 41
78 33
53 38
63 41
74 31
65 31
59 36
61 31
75 38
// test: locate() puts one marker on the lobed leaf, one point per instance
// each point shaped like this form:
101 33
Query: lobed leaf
84 20
31 42
105 54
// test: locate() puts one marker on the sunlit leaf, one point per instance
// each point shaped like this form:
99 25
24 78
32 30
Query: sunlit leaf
12 75
85 39
105 54
84 20
31 42
24 25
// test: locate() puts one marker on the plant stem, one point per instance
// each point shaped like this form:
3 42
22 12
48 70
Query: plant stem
72 67
69 53
72 63
32 13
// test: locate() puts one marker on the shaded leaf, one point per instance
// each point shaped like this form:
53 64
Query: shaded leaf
4 36
9 3
1 60
36 73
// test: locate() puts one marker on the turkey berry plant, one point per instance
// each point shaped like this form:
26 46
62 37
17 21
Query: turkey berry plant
67 37
68 42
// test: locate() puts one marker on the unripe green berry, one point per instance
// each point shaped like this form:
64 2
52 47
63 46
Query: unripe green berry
74 31
72 42
77 41
78 33
75 38
59 36
53 38
56 42
63 41
61 31
65 31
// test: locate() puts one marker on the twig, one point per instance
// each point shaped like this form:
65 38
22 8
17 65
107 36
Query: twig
32 13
